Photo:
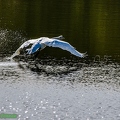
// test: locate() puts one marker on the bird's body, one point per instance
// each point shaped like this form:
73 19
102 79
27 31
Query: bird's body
41 43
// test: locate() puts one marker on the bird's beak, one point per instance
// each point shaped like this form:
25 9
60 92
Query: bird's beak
59 37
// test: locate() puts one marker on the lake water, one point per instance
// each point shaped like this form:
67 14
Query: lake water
61 86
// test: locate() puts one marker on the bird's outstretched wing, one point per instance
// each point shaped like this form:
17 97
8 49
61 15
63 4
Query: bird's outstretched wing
42 42
65 46
24 45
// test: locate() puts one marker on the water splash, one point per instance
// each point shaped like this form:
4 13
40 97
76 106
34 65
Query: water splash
10 40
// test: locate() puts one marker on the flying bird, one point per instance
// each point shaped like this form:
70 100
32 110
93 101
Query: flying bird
42 42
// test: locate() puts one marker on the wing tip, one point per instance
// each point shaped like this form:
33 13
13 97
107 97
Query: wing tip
84 55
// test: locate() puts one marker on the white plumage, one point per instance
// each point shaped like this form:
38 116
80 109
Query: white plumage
41 43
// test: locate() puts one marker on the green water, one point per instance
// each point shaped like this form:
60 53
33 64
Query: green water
89 25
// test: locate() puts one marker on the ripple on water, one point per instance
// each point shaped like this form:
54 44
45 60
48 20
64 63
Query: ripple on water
56 92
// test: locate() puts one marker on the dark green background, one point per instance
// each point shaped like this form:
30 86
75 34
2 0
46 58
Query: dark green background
89 25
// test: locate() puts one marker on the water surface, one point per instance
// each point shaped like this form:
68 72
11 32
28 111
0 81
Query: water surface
61 86
91 26
57 92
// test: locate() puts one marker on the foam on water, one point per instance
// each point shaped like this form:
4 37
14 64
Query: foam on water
3 64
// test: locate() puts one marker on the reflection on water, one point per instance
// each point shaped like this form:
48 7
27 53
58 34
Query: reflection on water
63 90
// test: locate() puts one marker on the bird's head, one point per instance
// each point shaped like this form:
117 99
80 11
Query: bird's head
59 37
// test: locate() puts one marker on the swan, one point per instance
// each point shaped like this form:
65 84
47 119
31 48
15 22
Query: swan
42 42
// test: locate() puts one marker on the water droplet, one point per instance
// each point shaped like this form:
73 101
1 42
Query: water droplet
10 106
54 112
59 104
102 117
96 111
66 114
43 107
26 111
27 117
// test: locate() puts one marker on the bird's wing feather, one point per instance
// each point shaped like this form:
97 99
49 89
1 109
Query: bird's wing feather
34 48
24 45
65 46
39 44
27 43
